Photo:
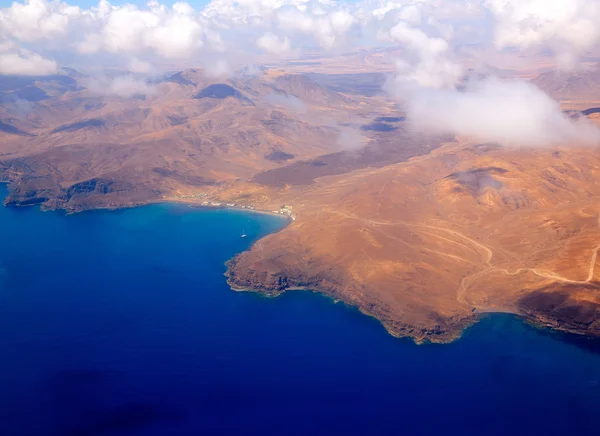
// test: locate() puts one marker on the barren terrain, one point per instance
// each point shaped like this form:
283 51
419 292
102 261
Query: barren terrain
427 244
423 232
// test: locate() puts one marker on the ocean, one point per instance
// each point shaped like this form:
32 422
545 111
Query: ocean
121 323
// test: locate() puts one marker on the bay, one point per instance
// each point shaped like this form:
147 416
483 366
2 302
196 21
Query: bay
121 323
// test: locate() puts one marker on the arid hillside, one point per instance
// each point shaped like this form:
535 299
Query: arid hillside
422 231
425 245
66 146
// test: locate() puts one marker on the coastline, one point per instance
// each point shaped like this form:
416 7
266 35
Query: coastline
393 326
222 206
197 203
400 330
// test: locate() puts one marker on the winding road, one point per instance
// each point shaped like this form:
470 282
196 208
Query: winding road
462 289
487 251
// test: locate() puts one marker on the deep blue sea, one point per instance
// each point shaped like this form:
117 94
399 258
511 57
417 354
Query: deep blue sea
121 323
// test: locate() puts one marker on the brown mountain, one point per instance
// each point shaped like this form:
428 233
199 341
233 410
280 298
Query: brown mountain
427 244
423 232
583 85
190 133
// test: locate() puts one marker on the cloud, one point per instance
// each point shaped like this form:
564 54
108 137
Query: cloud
288 101
350 139
327 27
427 29
429 60
178 31
121 86
169 33
217 67
232 28
508 112
570 27
17 106
26 63
136 65
433 66
271 43
226 31
36 20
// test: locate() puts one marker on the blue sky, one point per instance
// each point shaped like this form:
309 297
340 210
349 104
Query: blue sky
87 3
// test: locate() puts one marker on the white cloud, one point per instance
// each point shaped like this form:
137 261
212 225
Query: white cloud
328 28
568 26
217 68
225 30
224 26
271 43
434 66
304 23
6 46
26 63
508 112
35 20
234 27
288 101
122 86
170 33
136 65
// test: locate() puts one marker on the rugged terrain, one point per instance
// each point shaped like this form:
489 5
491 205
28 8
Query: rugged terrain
427 244
422 232
63 144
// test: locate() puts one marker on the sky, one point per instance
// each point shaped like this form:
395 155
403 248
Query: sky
89 3
40 32
140 3
37 37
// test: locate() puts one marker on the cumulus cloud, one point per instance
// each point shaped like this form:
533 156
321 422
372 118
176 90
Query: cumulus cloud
508 112
179 31
434 66
26 63
271 43
228 29
169 32
570 27
429 60
36 20
328 27
225 30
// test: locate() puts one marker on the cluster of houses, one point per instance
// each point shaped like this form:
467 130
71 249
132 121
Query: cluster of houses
198 195
215 204
283 210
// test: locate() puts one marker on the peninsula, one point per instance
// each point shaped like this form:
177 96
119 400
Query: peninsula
422 231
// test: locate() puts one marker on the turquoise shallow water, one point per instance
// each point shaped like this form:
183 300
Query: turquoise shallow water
121 323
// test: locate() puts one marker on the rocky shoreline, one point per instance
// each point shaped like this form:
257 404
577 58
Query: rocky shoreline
240 279
274 287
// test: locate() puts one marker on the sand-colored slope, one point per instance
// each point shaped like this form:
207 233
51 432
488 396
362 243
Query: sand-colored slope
421 233
426 244
190 135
